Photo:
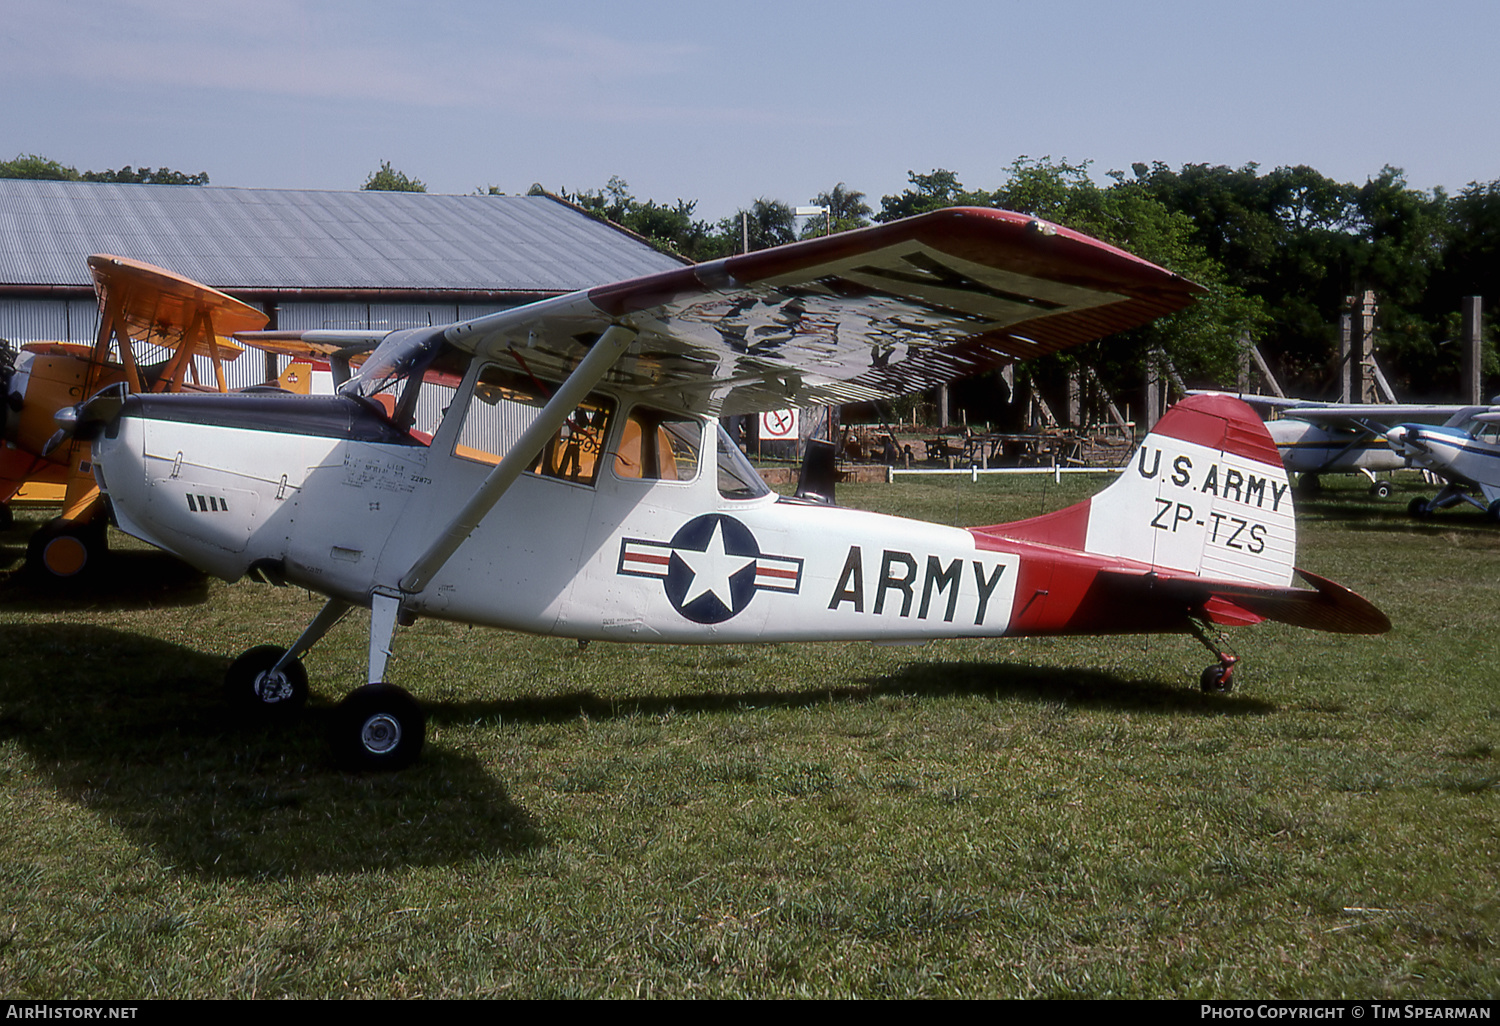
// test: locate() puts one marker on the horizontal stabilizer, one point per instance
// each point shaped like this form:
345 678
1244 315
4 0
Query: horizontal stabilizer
1331 607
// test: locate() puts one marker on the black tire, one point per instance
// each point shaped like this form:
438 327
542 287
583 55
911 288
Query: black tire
251 687
1418 508
7 518
378 727
1309 484
1381 489
1493 513
1215 680
64 553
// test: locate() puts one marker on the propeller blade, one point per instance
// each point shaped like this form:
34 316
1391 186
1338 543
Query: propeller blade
88 418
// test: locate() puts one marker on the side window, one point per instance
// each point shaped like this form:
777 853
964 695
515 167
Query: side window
658 446
738 478
505 404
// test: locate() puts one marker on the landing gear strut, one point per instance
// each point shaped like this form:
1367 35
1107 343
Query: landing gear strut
377 727
1216 678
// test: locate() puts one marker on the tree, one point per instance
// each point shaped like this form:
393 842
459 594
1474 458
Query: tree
767 223
388 179
34 167
847 210
932 191
667 227
147 176
1302 243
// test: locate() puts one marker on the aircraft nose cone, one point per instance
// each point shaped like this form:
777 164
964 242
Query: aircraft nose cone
1396 438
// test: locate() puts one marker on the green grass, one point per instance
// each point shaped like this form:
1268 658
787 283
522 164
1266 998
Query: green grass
1010 818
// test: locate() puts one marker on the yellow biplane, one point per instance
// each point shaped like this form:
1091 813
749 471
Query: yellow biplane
152 325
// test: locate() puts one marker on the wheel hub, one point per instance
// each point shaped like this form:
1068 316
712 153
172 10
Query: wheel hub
380 734
273 687
65 556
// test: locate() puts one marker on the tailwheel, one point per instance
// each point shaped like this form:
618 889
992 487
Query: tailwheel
67 552
378 727
254 685
1218 678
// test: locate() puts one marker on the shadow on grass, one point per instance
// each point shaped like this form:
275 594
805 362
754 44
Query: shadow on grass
131 579
135 729
1019 681
1463 524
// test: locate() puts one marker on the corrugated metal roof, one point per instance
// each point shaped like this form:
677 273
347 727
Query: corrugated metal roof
255 239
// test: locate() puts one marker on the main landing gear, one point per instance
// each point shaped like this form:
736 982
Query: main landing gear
377 727
1217 678
1451 495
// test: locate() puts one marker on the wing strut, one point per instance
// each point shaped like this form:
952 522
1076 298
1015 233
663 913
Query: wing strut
611 345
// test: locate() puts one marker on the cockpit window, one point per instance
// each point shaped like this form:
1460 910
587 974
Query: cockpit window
505 403
738 478
1486 431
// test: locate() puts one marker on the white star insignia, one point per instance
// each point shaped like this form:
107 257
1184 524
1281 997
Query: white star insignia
712 569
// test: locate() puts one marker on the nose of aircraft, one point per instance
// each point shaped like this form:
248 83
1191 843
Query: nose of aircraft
1396 438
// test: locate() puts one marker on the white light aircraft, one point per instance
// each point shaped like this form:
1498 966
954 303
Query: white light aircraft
557 469
1465 451
1317 438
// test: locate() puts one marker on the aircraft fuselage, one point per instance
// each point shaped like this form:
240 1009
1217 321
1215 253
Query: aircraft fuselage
324 493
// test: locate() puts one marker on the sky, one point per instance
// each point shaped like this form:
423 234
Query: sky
723 104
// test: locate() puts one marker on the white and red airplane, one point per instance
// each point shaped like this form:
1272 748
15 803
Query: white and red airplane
558 469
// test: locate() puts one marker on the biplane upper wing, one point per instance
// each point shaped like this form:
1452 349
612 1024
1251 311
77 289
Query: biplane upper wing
862 315
157 307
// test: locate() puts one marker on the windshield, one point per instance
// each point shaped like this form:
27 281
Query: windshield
398 354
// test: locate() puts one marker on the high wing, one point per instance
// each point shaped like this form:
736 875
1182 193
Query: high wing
1365 415
316 344
862 315
343 349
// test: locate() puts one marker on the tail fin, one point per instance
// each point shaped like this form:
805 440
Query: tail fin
1204 495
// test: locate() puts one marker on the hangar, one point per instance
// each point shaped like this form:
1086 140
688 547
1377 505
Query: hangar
309 259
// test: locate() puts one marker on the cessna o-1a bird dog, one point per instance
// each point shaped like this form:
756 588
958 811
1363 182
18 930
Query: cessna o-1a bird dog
571 478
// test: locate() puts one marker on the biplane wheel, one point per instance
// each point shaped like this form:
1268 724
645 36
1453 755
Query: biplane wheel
252 687
7 518
1309 484
65 552
1381 489
1493 513
1418 508
378 727
1216 680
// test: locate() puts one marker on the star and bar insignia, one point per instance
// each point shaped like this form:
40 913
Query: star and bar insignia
711 568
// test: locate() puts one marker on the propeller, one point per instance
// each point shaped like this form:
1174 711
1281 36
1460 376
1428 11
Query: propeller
88 418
